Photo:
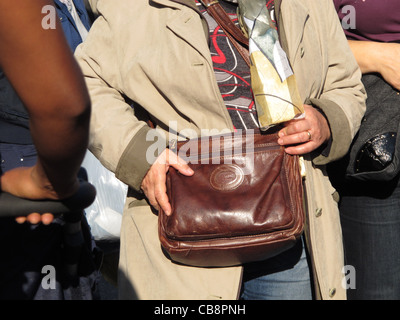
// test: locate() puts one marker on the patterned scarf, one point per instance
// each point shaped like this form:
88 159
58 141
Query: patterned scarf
274 85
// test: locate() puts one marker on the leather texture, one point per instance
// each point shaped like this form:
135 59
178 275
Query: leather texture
243 203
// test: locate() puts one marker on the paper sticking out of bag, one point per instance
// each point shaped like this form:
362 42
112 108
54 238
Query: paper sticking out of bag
276 101
273 82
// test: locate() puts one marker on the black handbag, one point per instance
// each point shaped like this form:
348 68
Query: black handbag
374 153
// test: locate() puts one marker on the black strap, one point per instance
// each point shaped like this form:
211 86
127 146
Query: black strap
12 206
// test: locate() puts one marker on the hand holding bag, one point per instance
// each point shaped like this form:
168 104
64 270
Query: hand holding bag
244 202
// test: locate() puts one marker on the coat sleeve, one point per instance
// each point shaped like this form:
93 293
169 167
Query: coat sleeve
117 137
343 98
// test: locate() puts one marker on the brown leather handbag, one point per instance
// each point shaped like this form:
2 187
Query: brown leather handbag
244 202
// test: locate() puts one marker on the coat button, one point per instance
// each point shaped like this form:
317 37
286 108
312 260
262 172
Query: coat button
332 292
318 212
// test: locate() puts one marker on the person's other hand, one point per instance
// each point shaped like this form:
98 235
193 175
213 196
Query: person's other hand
29 183
154 183
302 136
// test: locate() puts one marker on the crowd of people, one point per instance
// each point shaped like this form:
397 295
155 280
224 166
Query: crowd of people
109 69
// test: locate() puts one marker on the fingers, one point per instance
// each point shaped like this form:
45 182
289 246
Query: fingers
154 187
178 163
305 135
296 133
35 218
154 183
295 138
47 218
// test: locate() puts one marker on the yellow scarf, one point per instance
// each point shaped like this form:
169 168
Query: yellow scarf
274 85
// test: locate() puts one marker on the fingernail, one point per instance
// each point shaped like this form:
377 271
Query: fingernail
20 220
280 141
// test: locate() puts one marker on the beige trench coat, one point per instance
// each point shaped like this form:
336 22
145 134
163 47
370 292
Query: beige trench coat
157 57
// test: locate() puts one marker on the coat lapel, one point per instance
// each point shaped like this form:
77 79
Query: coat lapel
184 24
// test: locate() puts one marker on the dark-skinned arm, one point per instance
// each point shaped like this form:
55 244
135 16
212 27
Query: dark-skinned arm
41 67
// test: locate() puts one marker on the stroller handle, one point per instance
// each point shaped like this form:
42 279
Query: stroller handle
12 206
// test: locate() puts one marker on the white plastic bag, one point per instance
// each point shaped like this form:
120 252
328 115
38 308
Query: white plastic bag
105 214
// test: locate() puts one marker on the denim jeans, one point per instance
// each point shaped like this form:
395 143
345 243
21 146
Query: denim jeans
371 233
284 277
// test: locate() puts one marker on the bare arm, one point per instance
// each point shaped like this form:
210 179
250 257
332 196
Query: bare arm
41 67
380 57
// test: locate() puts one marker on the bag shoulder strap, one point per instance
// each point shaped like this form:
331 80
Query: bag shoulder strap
234 34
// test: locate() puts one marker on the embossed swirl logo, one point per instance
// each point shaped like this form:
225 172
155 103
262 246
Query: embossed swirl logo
226 177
